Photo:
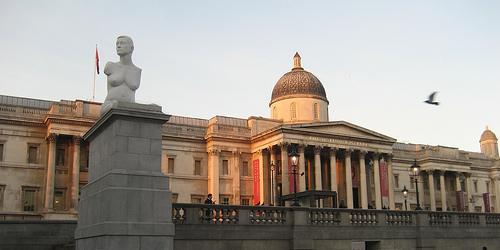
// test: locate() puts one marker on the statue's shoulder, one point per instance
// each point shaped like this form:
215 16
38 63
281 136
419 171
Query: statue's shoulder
109 67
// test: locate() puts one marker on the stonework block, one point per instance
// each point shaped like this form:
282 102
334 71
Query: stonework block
128 128
138 145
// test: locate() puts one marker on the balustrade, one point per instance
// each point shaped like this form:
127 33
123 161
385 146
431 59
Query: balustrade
398 218
324 217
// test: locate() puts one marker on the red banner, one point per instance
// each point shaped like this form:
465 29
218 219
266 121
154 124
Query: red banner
384 185
256 181
486 199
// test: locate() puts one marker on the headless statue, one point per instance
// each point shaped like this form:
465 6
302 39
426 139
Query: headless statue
124 77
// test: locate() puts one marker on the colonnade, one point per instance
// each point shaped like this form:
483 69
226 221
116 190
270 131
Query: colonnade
51 173
331 164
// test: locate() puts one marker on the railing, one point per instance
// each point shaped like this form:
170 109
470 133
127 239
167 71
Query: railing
19 217
268 215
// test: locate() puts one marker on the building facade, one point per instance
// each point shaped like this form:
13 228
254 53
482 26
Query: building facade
44 162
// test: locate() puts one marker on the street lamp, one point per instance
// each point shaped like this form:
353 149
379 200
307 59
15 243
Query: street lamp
295 158
405 194
414 172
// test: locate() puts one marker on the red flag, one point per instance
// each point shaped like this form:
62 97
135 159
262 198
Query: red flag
97 60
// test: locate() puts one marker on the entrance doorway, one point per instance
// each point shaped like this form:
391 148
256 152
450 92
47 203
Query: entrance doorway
355 197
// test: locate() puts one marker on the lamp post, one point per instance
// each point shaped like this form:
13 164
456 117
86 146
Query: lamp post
295 158
414 172
272 184
405 194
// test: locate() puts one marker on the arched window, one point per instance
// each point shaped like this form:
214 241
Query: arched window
293 111
316 111
275 113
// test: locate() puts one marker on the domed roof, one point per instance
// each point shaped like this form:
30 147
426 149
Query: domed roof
488 135
298 83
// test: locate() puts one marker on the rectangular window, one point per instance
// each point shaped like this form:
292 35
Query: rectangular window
225 167
487 187
244 168
396 180
1 151
475 186
2 191
197 167
32 154
225 200
438 184
174 197
412 182
59 199
84 156
60 157
245 201
171 165
196 199
29 199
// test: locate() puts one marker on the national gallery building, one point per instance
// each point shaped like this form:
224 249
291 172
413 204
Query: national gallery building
44 161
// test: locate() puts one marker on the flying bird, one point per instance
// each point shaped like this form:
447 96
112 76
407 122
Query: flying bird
430 100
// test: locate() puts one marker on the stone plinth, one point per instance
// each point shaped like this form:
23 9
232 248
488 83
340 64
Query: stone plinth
126 204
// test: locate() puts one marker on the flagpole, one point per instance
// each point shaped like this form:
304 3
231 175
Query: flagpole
95 68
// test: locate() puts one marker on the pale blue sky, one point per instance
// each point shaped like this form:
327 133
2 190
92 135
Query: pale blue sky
378 60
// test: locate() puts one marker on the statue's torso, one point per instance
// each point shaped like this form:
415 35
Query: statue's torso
123 80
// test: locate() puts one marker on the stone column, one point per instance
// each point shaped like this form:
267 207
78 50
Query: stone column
333 166
362 180
302 169
285 175
348 178
274 188
261 173
457 182
213 174
432 195
51 172
376 177
444 206
76 172
317 168
468 183
421 191
390 179
497 194
236 177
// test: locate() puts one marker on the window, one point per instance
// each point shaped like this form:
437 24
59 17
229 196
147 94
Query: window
275 113
2 190
225 167
225 200
29 199
60 156
171 165
412 182
438 184
174 197
293 111
316 111
197 199
33 153
245 201
487 187
475 186
84 156
244 168
197 167
59 199
1 151
396 180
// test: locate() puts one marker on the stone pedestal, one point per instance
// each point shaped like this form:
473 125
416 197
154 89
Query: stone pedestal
126 204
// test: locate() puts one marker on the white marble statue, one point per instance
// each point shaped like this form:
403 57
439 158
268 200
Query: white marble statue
123 77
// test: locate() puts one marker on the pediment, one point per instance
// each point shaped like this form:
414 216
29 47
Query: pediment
341 128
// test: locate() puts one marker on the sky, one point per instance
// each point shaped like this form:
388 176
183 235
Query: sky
378 60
